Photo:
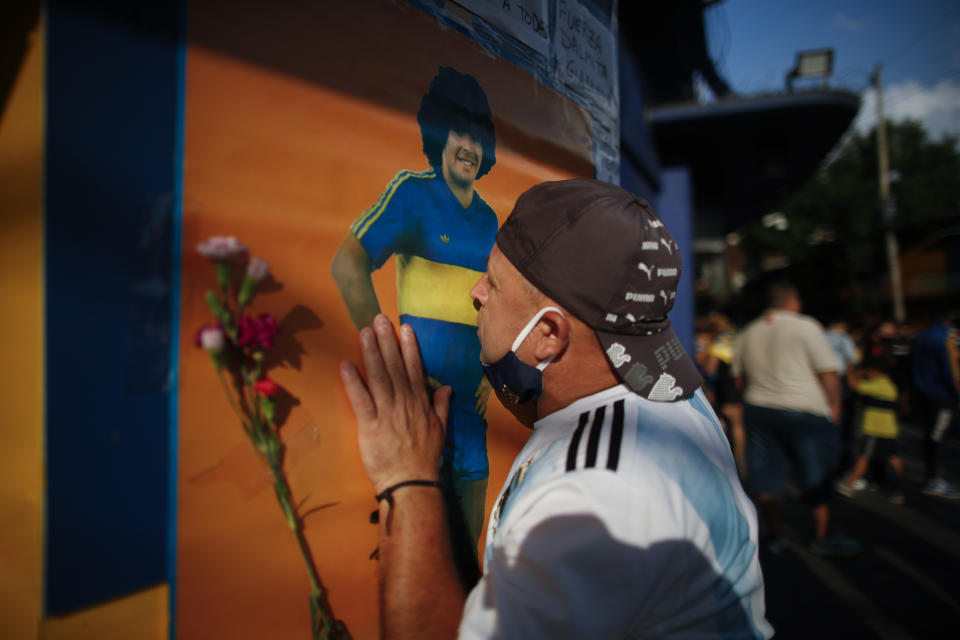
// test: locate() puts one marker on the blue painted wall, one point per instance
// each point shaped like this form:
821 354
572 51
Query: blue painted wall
669 190
112 95
675 206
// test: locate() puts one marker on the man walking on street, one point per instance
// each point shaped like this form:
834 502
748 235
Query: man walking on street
792 404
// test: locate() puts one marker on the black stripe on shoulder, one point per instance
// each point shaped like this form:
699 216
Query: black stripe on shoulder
616 436
594 442
575 442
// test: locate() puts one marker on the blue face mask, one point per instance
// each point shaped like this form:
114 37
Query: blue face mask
514 380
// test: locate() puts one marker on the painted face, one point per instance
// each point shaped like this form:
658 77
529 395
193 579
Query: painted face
461 159
502 304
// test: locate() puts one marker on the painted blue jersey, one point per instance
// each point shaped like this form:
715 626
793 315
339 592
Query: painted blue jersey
441 249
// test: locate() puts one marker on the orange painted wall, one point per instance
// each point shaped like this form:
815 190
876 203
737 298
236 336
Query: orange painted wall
285 160
21 343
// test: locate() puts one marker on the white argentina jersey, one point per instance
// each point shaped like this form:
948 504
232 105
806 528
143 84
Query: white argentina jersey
621 518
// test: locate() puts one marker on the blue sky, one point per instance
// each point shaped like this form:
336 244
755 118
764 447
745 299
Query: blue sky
754 43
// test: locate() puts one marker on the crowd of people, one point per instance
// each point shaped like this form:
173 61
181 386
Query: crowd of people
826 402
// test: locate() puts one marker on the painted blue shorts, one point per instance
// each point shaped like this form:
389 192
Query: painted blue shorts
778 437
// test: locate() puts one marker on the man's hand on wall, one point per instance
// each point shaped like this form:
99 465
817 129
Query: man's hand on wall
399 429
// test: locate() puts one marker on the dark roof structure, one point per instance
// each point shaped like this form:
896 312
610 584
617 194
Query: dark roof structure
747 154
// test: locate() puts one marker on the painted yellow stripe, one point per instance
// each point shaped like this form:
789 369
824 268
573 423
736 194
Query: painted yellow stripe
141 615
434 290
368 217
22 473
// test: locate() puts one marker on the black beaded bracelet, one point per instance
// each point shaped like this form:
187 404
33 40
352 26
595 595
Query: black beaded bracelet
387 494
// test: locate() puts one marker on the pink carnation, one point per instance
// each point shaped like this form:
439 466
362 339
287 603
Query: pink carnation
210 337
222 248
257 269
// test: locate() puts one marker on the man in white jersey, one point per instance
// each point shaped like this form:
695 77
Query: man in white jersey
623 515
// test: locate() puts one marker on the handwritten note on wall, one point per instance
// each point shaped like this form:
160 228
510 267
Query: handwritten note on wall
525 20
579 57
586 53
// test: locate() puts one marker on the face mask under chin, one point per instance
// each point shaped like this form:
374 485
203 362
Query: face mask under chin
517 384
526 413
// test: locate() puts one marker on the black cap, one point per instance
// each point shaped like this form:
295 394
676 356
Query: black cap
605 256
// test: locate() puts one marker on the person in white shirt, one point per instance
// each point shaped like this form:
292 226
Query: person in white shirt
791 396
623 515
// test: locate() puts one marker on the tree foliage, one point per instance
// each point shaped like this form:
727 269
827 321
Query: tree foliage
834 241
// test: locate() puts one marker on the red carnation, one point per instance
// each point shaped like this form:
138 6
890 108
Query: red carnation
266 387
246 331
259 333
266 330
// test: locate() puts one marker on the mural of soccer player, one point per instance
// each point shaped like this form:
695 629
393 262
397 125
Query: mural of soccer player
441 231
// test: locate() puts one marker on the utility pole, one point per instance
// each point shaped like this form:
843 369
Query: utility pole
887 206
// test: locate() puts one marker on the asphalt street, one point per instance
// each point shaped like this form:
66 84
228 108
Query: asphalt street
904 584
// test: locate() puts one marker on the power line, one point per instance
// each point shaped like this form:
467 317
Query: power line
856 71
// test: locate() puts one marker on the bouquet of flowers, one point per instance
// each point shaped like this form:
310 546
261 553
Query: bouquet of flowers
237 344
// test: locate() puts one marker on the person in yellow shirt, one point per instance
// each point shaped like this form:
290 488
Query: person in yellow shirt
877 400
725 396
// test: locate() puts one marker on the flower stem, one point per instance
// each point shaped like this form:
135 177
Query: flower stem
322 627
233 404
249 397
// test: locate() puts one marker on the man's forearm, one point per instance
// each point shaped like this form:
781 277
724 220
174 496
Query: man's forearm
400 433
421 594
851 376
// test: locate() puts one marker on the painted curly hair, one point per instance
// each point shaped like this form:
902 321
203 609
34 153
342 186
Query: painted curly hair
456 102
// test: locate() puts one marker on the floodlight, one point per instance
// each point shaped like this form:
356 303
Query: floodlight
816 63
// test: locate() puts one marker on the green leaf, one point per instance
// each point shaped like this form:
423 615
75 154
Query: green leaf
247 288
272 449
223 275
268 406
216 307
217 358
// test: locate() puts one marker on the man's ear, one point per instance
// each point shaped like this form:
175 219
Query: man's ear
553 335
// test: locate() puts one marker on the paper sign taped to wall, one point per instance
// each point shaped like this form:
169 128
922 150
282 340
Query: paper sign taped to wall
586 53
525 20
